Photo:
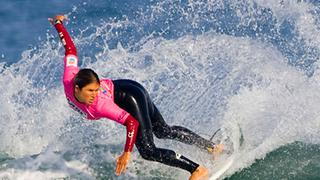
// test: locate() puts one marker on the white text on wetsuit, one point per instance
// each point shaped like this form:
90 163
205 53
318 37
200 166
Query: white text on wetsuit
74 107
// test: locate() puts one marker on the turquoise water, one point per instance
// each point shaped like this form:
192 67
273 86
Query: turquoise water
293 161
251 65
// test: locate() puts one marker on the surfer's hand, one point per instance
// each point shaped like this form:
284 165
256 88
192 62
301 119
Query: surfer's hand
122 162
57 17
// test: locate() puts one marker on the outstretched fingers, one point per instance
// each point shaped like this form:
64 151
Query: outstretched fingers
122 163
57 17
121 167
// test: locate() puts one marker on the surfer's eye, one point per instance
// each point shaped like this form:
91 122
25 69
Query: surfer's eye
93 90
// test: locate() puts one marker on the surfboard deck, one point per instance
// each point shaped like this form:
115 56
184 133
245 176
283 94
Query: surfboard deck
221 168
224 161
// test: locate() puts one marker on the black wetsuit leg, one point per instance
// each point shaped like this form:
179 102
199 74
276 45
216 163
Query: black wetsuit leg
133 98
163 131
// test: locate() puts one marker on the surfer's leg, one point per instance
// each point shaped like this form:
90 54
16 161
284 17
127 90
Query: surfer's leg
164 131
160 128
132 98
149 151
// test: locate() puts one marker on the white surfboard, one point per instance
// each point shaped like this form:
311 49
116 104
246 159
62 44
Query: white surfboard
221 168
226 159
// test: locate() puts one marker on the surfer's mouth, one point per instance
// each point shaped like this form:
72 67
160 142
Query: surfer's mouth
90 101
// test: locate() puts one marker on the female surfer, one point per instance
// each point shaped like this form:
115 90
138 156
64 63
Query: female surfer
128 103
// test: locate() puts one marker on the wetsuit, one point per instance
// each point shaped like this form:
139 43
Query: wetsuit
132 97
128 103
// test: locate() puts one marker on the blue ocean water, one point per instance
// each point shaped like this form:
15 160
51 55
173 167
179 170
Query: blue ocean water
248 64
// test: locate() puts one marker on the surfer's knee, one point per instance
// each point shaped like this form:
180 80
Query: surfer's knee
147 153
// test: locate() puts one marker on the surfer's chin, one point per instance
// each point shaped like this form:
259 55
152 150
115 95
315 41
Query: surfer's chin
90 102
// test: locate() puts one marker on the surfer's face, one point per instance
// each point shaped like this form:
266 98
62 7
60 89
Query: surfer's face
88 93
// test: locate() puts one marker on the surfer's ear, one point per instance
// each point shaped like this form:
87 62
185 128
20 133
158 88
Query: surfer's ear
77 89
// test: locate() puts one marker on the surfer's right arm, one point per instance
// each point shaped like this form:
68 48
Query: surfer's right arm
71 58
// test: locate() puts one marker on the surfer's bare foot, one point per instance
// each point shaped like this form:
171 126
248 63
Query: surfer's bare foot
217 149
200 173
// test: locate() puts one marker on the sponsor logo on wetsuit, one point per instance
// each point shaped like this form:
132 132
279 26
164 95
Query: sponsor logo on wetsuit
178 156
130 134
72 61
74 107
105 90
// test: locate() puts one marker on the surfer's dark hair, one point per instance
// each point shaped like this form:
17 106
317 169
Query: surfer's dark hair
84 77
